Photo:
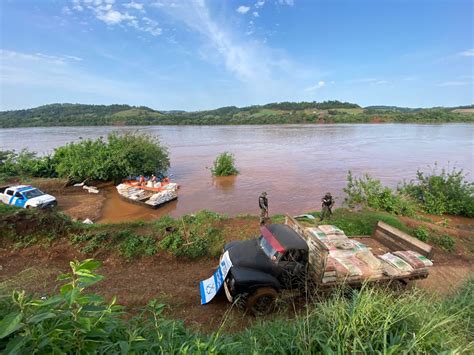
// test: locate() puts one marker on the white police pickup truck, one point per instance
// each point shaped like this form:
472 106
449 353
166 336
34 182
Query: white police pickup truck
26 196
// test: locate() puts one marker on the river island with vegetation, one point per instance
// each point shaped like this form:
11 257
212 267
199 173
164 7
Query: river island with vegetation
273 113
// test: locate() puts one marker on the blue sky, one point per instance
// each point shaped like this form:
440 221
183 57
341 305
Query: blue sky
202 54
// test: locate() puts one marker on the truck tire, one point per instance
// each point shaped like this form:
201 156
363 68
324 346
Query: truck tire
262 301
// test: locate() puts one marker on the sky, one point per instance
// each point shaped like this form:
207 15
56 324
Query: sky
205 54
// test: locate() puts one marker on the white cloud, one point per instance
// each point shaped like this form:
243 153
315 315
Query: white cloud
255 14
73 57
164 4
105 12
112 17
266 74
259 4
317 86
286 2
467 53
373 81
134 5
243 9
150 26
77 6
455 83
364 80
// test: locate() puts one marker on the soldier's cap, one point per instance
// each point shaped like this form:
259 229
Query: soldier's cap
328 194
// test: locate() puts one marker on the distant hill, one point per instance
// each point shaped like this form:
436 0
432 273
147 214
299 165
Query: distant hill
272 113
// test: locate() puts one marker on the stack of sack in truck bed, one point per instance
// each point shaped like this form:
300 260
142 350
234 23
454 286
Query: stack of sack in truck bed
352 260
402 263
348 259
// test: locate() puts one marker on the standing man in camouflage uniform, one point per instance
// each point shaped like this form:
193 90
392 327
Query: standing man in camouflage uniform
327 203
263 204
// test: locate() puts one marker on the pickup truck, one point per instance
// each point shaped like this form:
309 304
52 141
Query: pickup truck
290 256
26 196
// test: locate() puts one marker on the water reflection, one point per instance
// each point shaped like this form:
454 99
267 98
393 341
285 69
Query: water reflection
225 184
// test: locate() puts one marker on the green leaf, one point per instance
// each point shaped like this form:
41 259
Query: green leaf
15 345
41 317
64 277
71 296
9 324
88 264
65 289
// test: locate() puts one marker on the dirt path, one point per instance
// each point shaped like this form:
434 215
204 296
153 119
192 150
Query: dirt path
173 281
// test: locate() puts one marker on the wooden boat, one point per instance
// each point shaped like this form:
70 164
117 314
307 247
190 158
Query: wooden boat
150 195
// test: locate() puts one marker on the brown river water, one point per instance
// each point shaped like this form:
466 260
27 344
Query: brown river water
295 164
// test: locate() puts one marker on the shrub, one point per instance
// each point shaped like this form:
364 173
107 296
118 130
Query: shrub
421 233
443 192
370 192
26 163
192 236
224 165
363 222
134 245
445 241
121 156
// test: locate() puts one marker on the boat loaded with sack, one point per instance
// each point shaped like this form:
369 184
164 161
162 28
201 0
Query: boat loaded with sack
151 195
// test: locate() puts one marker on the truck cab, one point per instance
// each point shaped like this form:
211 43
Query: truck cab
26 196
262 267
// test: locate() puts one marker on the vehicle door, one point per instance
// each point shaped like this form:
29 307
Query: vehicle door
8 197
292 263
20 200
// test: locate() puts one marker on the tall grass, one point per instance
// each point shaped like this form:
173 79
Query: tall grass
369 320
362 222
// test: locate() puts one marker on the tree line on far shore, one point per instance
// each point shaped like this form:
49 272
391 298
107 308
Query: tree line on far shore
273 113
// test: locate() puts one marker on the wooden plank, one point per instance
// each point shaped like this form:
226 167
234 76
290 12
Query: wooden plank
394 239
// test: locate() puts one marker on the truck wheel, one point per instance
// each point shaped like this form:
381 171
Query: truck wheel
262 301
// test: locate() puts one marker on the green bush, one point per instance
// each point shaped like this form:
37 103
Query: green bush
369 320
421 233
370 192
363 222
124 155
445 241
443 192
192 236
133 245
224 165
130 154
26 164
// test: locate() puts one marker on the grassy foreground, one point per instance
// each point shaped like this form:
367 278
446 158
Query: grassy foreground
364 321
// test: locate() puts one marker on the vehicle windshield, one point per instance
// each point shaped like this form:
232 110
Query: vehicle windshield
32 193
268 249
